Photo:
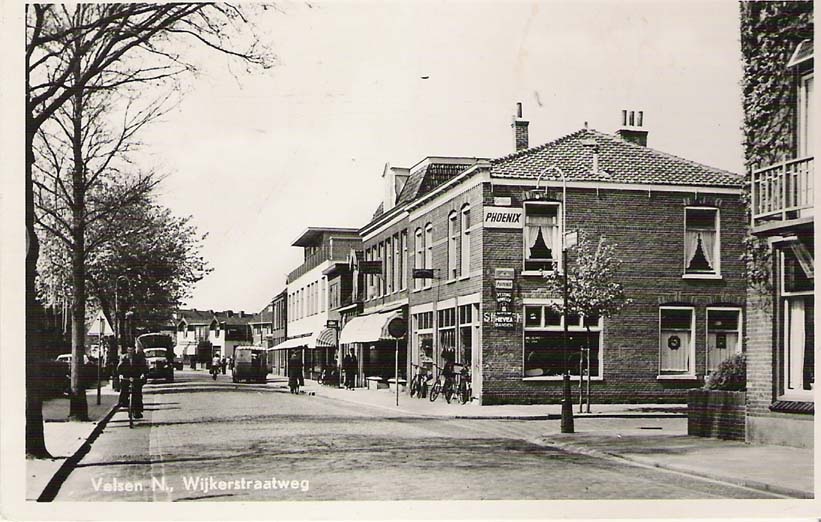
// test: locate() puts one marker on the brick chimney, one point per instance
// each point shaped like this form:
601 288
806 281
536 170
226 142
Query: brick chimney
519 129
632 127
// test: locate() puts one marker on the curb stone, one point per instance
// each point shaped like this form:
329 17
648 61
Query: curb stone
53 486
751 484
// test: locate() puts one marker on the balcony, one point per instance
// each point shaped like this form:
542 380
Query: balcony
339 251
782 194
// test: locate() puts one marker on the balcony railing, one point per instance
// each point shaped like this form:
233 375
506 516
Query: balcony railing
338 252
782 192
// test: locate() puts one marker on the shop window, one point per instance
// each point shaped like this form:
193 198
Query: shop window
464 248
542 236
701 241
544 341
446 330
453 245
468 331
723 335
676 341
423 336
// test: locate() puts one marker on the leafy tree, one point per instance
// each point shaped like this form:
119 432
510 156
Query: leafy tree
80 48
593 289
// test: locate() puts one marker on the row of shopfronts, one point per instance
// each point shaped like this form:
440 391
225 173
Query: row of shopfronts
459 249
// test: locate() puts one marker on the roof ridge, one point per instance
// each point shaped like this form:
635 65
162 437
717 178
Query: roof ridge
663 153
537 148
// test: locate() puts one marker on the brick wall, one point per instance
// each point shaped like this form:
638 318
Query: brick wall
648 229
717 414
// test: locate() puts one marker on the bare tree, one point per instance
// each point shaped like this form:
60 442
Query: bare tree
71 50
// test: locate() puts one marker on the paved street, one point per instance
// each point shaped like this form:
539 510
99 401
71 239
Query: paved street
266 444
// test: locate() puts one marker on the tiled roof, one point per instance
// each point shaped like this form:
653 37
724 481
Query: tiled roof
235 319
195 316
620 161
428 178
379 211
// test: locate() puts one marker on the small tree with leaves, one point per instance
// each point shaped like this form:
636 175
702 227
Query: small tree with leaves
593 289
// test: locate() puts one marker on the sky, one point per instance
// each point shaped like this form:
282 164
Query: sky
257 158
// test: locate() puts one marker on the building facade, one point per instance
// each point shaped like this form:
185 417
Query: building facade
277 359
777 48
491 232
307 302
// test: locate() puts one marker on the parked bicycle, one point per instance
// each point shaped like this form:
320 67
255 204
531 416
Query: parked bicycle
444 384
465 387
419 383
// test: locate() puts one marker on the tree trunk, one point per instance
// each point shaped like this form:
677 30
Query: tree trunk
35 437
78 409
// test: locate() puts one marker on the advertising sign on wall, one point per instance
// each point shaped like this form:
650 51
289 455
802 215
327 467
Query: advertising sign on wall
502 217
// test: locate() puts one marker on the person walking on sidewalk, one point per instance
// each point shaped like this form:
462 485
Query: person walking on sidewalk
295 378
350 366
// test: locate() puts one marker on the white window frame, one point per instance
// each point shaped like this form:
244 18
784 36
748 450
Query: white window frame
716 273
804 115
557 249
571 328
738 348
388 268
417 331
692 348
403 275
419 257
428 252
464 247
784 298
453 246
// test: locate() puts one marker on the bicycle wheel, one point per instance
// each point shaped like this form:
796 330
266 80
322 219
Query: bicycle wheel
448 392
414 387
434 392
464 394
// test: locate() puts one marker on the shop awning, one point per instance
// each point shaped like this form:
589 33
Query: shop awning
186 349
368 328
326 338
307 341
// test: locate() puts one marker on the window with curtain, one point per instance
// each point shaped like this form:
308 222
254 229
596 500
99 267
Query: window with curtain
723 335
701 245
464 269
453 245
676 341
541 236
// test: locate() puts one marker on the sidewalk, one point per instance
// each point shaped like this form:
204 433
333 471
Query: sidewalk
64 437
616 431
408 405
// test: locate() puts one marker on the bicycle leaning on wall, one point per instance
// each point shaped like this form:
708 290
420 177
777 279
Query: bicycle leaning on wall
444 384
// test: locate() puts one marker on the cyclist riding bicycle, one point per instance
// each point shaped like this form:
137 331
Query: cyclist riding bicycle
133 364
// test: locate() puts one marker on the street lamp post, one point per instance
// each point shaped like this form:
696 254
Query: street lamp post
567 402
118 346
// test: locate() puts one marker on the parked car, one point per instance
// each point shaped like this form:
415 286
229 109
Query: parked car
160 365
250 364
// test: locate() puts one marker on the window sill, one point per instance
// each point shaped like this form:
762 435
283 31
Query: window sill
678 378
450 281
558 378
538 273
702 276
464 278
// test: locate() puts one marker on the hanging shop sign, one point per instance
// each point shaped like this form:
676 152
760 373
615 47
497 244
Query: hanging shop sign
370 267
504 273
504 284
502 217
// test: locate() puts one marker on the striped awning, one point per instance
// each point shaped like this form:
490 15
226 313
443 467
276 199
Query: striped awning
326 338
